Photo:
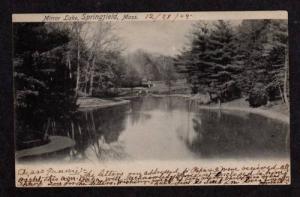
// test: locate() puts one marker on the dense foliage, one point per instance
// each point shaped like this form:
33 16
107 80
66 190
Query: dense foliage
227 62
42 78
54 64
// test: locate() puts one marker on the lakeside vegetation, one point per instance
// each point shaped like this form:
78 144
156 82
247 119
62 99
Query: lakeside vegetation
55 64
249 60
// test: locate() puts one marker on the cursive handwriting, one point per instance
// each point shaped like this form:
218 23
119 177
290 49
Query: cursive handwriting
245 175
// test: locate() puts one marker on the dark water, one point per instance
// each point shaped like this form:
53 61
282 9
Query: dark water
170 128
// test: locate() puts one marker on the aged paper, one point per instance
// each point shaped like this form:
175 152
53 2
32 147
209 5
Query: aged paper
151 99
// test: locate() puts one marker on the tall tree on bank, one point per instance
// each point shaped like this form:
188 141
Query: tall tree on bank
42 79
194 62
265 50
91 43
213 63
252 36
225 61
278 58
101 43
77 30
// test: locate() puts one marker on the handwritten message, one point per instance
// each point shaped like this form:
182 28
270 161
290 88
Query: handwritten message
67 177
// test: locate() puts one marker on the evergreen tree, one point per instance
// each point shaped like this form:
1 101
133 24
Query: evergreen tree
194 63
253 39
225 61
277 59
44 89
264 46
213 62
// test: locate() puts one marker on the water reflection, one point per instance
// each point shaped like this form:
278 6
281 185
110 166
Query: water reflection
170 128
227 135
98 133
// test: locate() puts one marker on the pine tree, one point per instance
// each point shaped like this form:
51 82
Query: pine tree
264 46
43 87
194 61
213 62
225 61
253 39
277 58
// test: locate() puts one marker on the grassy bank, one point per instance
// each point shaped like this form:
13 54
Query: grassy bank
275 110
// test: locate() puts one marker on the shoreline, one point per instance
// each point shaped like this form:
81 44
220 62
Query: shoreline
267 113
97 103
57 143
264 112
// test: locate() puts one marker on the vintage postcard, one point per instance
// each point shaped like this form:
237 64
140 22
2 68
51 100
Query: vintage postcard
151 99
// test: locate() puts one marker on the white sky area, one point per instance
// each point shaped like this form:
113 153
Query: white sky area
156 37
163 37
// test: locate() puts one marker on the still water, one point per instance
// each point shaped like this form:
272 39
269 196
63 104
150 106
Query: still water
170 128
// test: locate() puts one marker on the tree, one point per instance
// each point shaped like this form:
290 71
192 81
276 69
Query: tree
213 62
277 58
252 38
194 62
42 78
101 42
168 70
264 46
77 31
90 45
225 61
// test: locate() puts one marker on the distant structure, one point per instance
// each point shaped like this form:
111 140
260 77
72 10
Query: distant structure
146 83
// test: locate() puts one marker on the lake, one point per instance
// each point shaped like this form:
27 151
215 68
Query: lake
173 128
169 128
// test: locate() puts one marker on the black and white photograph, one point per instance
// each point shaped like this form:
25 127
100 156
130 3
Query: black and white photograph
134 92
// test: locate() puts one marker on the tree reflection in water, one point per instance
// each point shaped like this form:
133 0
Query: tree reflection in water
95 133
228 135
171 128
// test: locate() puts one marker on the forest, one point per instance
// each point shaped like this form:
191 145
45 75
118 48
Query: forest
250 60
57 63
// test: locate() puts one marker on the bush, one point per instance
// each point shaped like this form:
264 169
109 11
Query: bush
258 96
273 93
231 92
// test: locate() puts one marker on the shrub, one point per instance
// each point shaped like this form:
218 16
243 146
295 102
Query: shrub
258 96
231 92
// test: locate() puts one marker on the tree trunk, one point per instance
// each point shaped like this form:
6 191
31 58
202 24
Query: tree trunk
285 82
92 77
73 132
47 128
78 65
281 94
69 65
86 80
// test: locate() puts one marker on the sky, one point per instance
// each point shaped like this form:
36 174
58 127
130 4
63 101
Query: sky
166 38
163 37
